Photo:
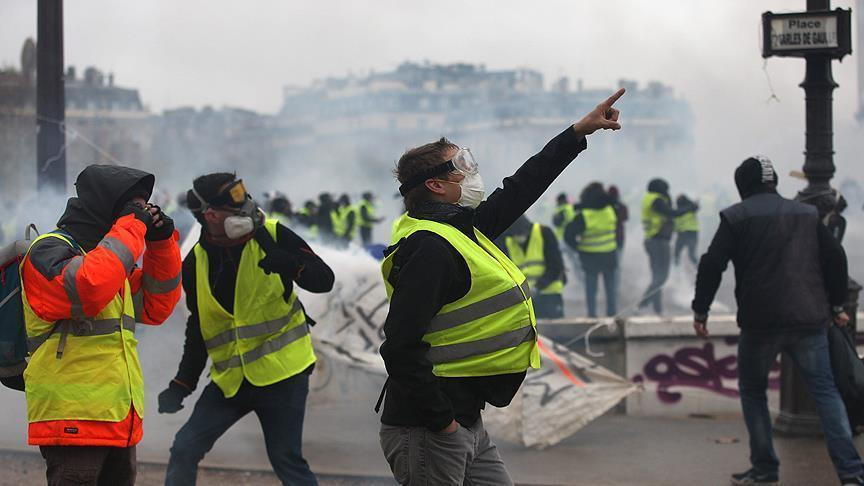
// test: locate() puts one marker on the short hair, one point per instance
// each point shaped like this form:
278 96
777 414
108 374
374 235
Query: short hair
417 160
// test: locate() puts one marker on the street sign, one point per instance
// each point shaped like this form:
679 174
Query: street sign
801 34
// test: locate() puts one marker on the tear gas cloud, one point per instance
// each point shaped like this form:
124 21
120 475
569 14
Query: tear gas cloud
228 54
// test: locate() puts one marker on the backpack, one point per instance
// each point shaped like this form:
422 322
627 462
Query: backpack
13 335
848 371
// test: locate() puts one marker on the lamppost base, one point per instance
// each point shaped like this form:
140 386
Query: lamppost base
797 425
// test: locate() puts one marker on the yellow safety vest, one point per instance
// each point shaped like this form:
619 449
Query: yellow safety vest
394 227
569 215
531 261
266 339
652 221
492 329
338 221
600 231
312 229
370 210
85 368
687 222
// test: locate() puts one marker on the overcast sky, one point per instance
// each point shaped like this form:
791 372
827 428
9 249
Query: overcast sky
182 52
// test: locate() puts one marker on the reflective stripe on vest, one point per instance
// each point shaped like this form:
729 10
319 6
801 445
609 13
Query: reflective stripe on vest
599 235
569 213
531 261
489 331
266 339
687 222
652 221
85 368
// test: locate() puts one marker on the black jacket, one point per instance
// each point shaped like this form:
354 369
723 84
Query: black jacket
315 276
431 274
789 271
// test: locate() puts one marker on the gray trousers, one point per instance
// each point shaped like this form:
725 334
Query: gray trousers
420 457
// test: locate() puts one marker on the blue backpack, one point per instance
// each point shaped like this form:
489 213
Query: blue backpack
13 335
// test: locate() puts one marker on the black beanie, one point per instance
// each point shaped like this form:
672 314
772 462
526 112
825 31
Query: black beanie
755 175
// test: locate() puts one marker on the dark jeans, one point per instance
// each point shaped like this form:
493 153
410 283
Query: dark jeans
548 306
93 466
809 351
690 241
280 408
596 264
659 258
366 235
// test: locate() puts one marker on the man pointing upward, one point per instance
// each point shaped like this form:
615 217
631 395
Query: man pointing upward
461 331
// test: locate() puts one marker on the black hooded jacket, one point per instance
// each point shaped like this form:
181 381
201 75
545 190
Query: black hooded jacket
432 273
789 270
102 191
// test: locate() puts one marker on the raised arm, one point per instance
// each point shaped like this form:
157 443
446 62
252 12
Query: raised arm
530 181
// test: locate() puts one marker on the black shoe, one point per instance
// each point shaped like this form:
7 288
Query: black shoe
852 481
754 478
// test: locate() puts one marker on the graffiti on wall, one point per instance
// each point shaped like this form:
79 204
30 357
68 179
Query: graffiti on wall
697 367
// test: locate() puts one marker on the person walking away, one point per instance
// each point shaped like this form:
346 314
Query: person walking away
564 214
686 229
244 315
533 248
593 234
82 295
622 215
658 222
367 218
328 218
460 331
790 285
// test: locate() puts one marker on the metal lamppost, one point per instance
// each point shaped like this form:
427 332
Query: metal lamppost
50 98
819 35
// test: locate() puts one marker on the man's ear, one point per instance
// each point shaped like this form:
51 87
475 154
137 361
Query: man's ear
435 186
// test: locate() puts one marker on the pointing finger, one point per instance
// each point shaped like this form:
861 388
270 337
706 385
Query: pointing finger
612 99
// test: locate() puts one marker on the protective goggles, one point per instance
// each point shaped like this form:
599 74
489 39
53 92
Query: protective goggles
232 197
462 163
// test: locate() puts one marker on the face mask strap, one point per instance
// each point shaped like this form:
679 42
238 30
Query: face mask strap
204 204
425 175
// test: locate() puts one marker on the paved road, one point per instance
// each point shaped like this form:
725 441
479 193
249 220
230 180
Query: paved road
613 450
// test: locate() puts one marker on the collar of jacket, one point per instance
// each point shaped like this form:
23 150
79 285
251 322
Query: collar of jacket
459 217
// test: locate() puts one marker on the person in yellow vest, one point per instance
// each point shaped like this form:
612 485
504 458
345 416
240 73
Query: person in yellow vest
460 331
82 296
307 216
593 233
280 209
534 249
366 217
245 316
658 224
686 229
564 214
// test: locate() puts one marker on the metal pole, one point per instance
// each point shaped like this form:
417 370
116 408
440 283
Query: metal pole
797 410
50 98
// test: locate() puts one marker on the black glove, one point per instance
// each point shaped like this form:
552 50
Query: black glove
141 213
171 399
281 262
162 232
